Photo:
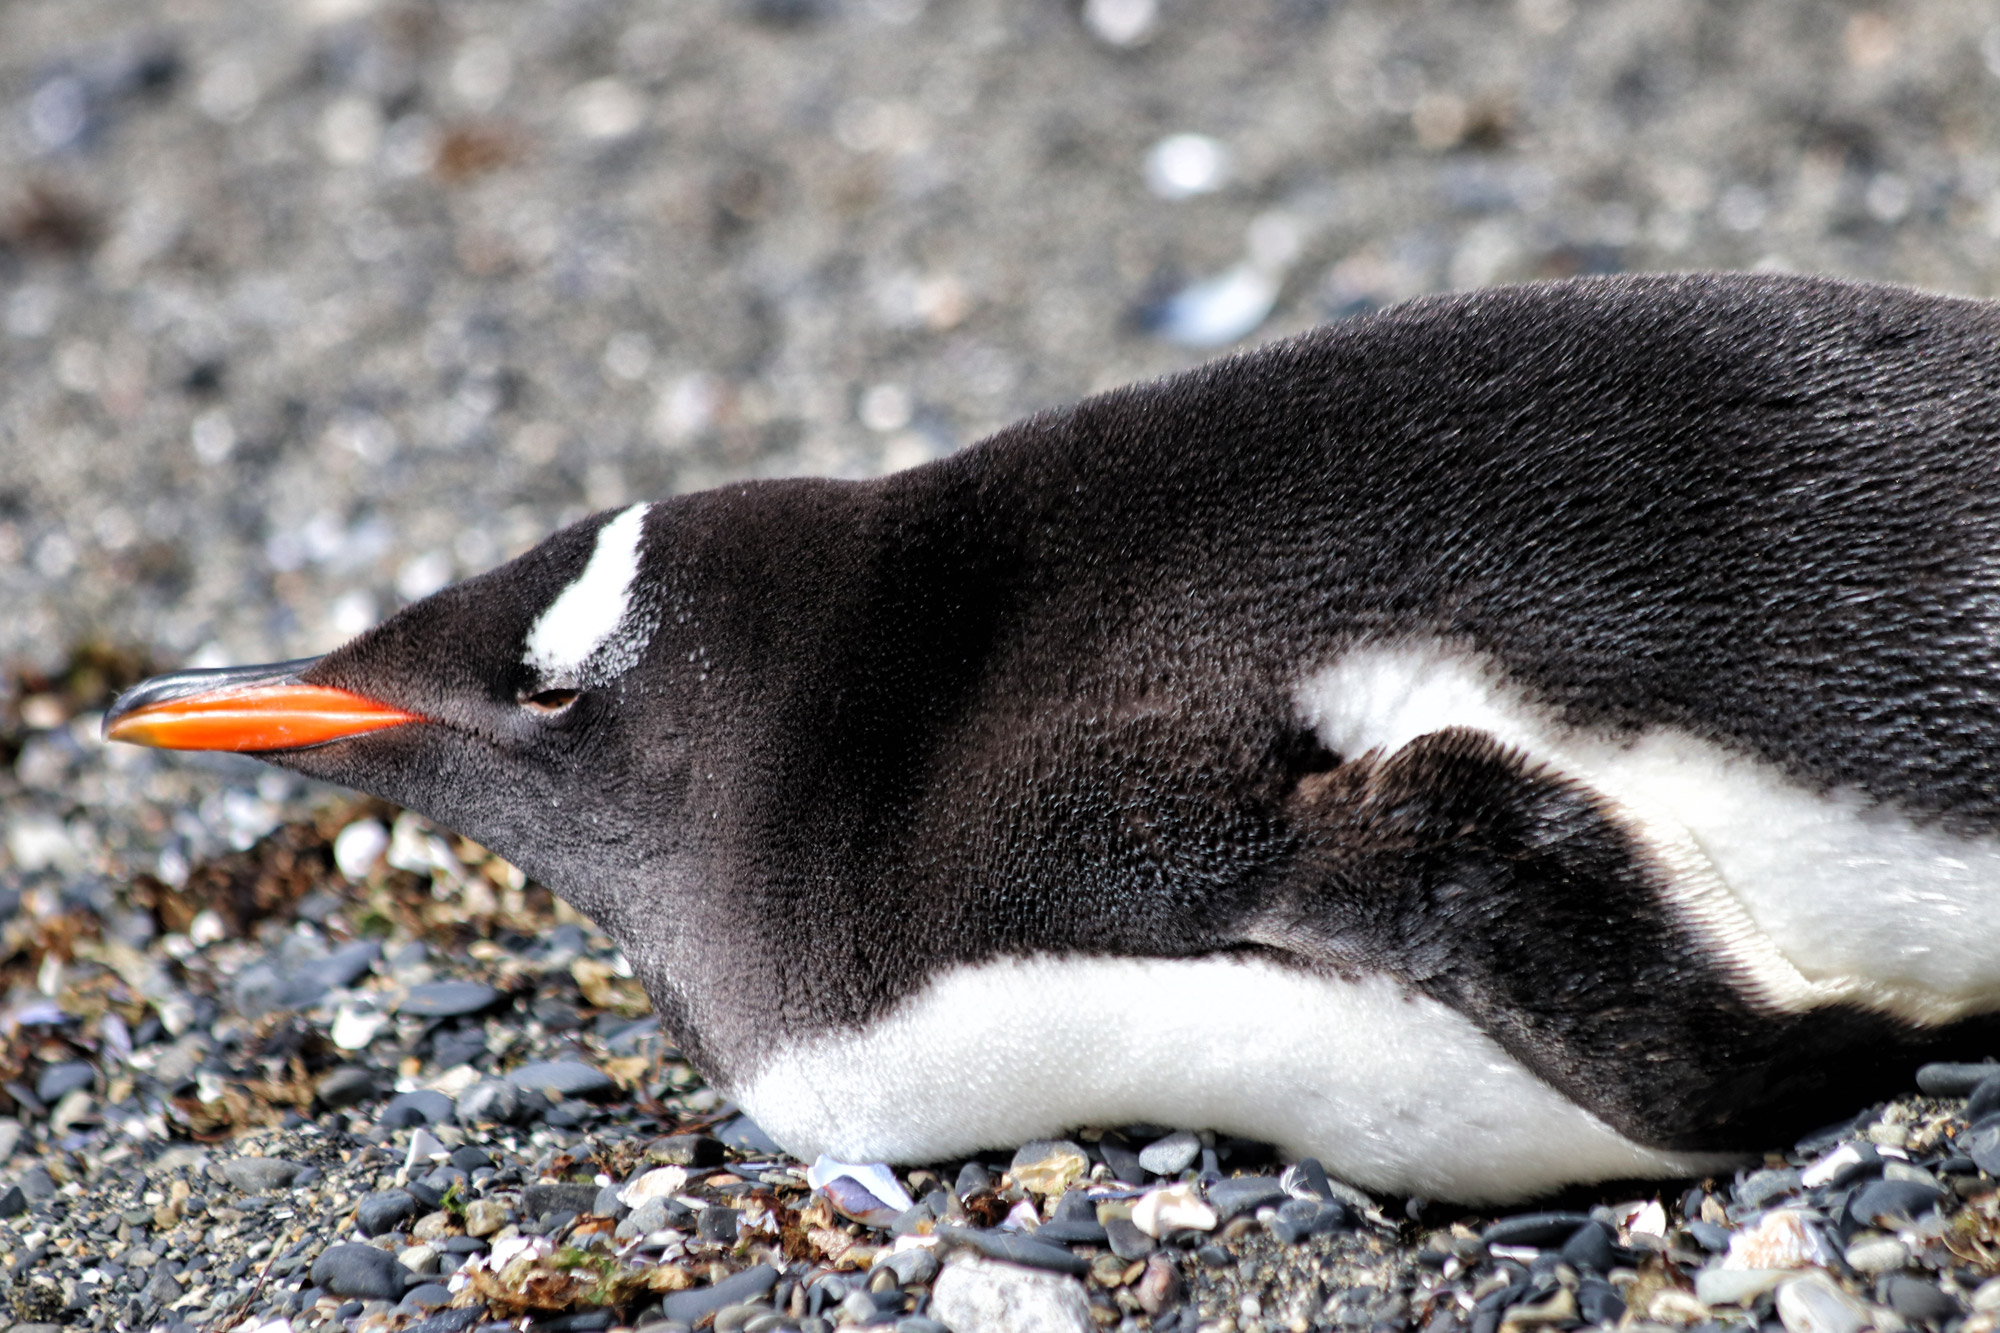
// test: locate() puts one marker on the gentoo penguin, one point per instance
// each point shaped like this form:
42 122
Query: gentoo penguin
1533 736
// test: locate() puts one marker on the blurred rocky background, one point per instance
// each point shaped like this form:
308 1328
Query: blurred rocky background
308 307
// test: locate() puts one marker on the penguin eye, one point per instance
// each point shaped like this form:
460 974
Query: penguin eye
548 702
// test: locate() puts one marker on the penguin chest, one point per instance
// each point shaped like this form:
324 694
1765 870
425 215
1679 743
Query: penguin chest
1389 1089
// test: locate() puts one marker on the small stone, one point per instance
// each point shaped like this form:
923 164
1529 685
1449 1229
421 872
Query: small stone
37 1184
912 1267
57 1081
1882 1254
13 1202
1126 1240
1982 1144
1299 1219
1598 1302
483 1217
973 1178
1946 1079
1159 1287
1048 1166
690 1307
1590 1248
539 1200
1736 1286
162 1288
1813 1303
662 1182
490 1101
1889 1203
448 999
1014 1248
359 1270
260 1175
355 1025
685 1150
422 1107
384 1211
349 1085
563 1078
1761 1187
427 1297
432 1226
1171 1155
1242 1194
1175 1208
1920 1301
1539 1230
975 1295
419 1259
358 848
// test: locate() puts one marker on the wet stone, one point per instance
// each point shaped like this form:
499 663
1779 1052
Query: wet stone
359 1270
448 999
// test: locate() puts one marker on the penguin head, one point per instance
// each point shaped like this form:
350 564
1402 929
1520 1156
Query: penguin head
537 708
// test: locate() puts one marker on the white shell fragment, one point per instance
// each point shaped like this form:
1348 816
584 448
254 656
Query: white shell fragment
868 1192
662 1182
1175 1208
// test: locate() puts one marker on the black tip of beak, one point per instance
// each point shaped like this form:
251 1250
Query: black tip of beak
188 684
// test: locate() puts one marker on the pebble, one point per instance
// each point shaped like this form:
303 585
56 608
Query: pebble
541 1199
359 1270
258 1175
483 1217
1784 1238
1126 1240
421 1107
563 1078
1884 1254
1953 1080
57 1081
448 999
1813 1303
1736 1286
1014 1248
1235 1195
975 1295
1540 1230
1048 1166
347 1085
383 1211
1171 1155
490 1101
914 1266
690 1307
1887 1202
1174 1208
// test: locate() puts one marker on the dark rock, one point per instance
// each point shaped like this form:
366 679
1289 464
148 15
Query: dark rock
426 1296
973 1178
1243 1194
427 1195
1953 1080
686 1150
582 1321
692 1306
259 1175
59 1080
1982 1144
1981 1102
1072 1231
1715 1239
1598 1302
346 964
1307 1177
13 1202
1297 1219
1591 1247
1889 1202
469 1158
349 1085
407 1110
1920 1301
1014 1248
448 999
743 1134
718 1223
563 1078
383 1211
360 1271
608 1203
1126 1240
1121 1161
539 1200
1540 1230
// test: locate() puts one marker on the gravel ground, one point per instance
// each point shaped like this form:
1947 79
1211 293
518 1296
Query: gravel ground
307 308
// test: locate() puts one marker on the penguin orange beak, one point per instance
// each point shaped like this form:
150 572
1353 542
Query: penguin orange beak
244 709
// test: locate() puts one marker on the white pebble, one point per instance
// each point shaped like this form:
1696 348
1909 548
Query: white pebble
1812 1303
358 847
1181 166
1175 1208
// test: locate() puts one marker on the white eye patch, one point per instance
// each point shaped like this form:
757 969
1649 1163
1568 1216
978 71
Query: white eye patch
595 629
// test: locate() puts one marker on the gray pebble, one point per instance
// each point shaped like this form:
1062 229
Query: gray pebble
912 1267
448 999
1014 1248
1946 1079
359 1270
1171 1155
59 1080
492 1100
1126 1240
537 1200
37 1184
259 1175
349 1085
692 1306
384 1211
1920 1301
1242 1194
407 1110
563 1078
